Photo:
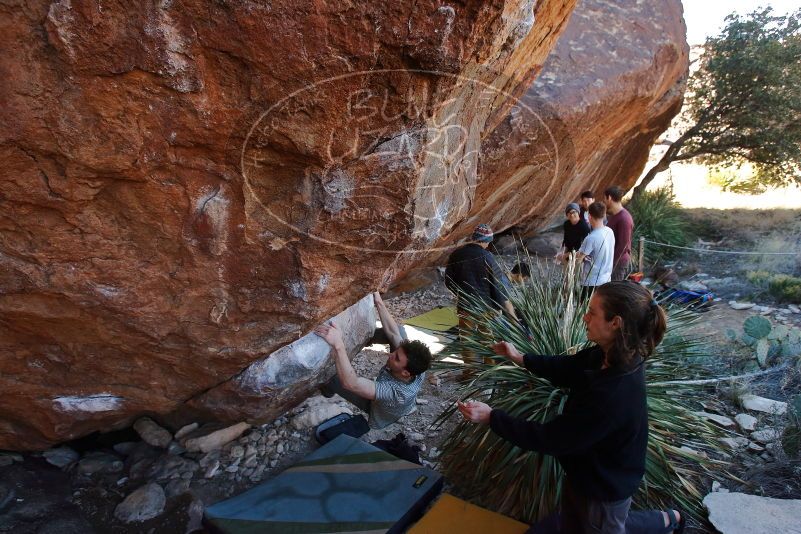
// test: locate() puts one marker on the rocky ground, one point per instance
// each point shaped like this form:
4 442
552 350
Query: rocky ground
148 479
145 479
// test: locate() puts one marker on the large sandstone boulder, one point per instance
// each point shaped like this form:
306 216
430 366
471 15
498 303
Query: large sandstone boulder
610 87
189 186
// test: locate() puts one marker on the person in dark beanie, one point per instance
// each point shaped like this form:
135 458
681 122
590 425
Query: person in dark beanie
619 220
472 272
575 229
601 436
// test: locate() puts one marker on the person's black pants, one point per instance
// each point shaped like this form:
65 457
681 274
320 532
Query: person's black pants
581 515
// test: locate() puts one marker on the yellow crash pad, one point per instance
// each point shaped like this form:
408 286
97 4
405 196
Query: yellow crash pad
438 319
450 514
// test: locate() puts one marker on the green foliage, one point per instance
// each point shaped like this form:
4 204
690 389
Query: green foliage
745 99
768 341
526 484
758 278
791 437
658 217
786 288
743 104
757 327
783 287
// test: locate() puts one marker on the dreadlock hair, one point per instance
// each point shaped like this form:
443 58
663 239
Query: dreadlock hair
643 321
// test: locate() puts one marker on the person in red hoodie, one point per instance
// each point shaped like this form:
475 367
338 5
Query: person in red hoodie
601 436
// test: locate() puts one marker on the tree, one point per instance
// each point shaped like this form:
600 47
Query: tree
744 103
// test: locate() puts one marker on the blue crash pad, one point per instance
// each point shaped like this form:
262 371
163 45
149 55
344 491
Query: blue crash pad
346 485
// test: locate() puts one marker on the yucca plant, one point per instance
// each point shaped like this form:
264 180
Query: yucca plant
526 484
658 217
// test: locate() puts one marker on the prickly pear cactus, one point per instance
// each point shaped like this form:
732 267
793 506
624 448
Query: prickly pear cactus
757 327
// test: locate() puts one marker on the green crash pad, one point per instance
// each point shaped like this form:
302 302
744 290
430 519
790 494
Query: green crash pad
346 485
439 319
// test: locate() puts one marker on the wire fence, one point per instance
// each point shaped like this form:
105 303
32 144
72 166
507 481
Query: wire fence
714 251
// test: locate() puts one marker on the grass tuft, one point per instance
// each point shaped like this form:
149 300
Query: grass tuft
527 485
658 217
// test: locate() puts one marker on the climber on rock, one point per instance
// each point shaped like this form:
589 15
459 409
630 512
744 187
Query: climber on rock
393 393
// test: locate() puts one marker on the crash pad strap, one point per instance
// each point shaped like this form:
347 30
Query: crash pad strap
357 458
370 467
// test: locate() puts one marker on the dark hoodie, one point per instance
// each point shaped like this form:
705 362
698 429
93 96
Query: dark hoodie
602 434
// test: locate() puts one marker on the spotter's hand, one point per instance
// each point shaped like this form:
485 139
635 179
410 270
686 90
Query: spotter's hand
475 412
507 350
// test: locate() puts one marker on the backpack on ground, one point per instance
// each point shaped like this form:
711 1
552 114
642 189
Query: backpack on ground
354 426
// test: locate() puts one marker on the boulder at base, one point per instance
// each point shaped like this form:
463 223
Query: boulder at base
738 513
144 503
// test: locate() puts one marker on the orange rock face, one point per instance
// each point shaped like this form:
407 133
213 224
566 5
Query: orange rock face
188 186
609 88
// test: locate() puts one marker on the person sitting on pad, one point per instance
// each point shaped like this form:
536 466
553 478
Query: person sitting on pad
393 393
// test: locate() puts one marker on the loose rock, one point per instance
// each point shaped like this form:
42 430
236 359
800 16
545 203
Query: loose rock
195 513
767 435
761 404
175 448
316 410
176 487
212 436
145 503
745 421
740 305
735 443
721 420
212 469
754 447
99 462
184 430
61 456
151 433
738 513
125 448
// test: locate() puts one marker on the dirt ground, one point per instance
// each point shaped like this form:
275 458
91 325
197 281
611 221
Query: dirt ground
36 497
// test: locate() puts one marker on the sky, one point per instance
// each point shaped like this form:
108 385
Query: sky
705 17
